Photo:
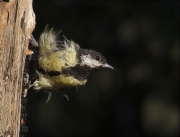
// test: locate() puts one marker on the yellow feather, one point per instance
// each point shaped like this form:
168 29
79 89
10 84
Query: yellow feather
62 81
58 60
56 82
51 58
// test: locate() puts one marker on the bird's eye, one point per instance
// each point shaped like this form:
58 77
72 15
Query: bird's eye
97 57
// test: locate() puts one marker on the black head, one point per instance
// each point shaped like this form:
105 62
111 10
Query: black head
92 59
89 61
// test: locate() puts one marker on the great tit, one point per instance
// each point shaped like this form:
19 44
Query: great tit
63 64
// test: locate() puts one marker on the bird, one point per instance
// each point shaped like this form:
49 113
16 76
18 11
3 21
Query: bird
64 64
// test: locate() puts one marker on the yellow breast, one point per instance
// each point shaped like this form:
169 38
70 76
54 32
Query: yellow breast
58 60
62 81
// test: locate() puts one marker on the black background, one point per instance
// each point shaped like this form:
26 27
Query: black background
140 39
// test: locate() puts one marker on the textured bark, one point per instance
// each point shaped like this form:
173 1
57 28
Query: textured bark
17 21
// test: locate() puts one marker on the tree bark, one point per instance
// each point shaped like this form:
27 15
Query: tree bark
17 21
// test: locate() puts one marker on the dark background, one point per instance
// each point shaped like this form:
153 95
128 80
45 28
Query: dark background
140 39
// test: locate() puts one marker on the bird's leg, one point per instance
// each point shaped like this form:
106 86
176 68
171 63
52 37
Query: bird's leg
49 96
26 84
65 95
33 42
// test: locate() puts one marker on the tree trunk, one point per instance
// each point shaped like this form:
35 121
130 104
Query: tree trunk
17 21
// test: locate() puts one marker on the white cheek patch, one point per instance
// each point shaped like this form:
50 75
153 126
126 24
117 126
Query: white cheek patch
89 61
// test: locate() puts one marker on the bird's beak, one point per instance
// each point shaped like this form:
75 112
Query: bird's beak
107 66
